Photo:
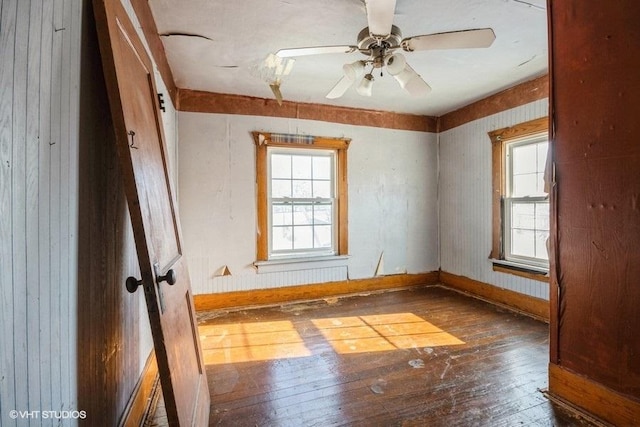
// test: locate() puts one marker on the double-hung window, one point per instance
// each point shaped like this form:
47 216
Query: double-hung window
526 204
301 196
521 208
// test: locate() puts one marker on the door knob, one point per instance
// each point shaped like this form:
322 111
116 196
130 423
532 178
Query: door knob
132 284
170 278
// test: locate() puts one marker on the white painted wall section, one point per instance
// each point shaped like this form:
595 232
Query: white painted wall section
392 184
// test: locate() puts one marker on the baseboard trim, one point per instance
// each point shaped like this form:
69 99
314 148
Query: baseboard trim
140 403
592 397
313 291
531 306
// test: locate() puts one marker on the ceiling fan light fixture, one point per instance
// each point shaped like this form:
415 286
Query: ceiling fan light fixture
365 88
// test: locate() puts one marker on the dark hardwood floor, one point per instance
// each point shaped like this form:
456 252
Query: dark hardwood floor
422 357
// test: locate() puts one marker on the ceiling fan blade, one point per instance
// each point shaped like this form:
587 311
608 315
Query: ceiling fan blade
351 73
380 17
275 88
406 76
340 88
416 86
315 50
464 39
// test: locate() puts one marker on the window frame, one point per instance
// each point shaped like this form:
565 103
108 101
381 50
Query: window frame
264 140
294 202
500 138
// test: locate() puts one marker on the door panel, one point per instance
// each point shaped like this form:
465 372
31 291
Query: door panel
156 226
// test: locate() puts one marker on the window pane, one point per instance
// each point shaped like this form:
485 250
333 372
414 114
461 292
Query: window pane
524 185
282 215
542 216
322 214
281 238
280 188
322 167
541 245
303 237
523 243
524 159
301 167
322 236
322 189
280 166
302 189
306 222
303 215
523 215
542 155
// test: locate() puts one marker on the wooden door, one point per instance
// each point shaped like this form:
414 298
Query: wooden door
165 280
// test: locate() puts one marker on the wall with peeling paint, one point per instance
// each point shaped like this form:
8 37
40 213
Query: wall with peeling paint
465 199
392 179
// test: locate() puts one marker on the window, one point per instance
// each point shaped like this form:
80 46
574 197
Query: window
526 205
520 202
302 196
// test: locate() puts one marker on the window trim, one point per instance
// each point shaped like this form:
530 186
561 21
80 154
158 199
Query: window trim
263 140
499 140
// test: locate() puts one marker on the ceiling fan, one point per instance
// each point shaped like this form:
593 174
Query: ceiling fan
380 41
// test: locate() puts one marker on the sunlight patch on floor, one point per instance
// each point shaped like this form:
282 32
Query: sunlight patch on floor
246 342
386 332
259 341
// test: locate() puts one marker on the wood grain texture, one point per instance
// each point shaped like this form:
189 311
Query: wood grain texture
110 339
516 272
521 94
130 83
313 291
593 397
207 102
140 404
148 24
531 306
596 220
491 374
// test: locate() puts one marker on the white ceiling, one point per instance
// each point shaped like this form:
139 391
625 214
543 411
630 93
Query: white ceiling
238 35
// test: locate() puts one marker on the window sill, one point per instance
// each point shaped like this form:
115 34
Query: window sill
522 270
294 264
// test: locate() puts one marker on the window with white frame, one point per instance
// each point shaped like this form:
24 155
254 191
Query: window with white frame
301 202
526 203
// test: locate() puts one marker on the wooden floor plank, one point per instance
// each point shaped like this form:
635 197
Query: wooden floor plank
491 374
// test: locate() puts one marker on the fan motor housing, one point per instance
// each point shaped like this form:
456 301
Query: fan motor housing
367 42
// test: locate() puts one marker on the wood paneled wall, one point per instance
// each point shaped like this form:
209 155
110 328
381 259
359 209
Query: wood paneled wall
596 223
39 66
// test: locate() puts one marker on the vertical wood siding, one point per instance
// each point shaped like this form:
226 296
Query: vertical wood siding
465 199
39 65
